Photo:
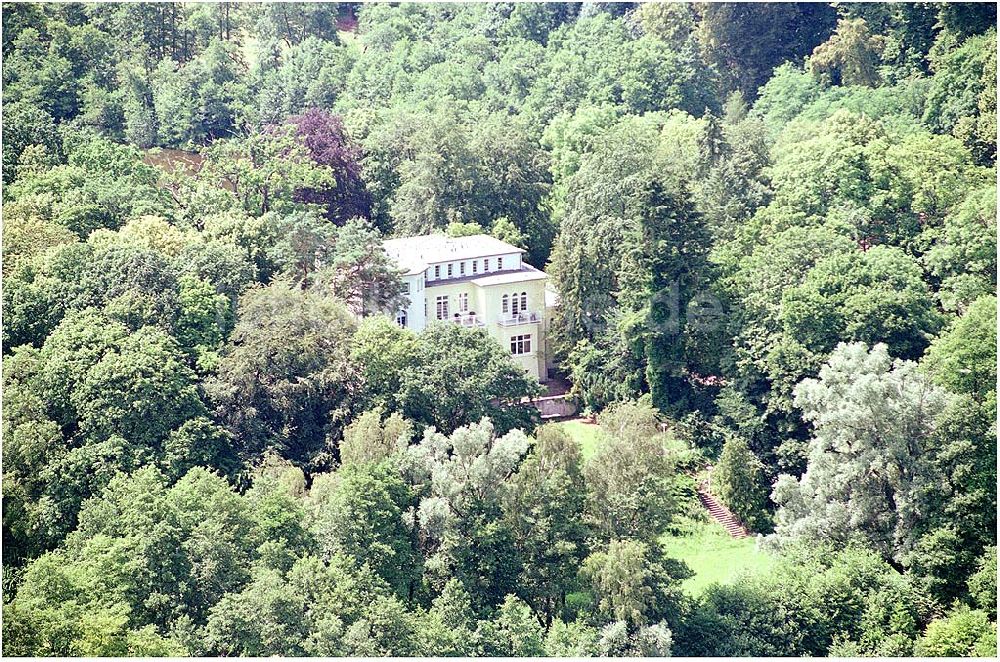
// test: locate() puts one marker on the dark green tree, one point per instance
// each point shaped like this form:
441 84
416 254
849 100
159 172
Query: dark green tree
284 378
746 64
739 480
361 515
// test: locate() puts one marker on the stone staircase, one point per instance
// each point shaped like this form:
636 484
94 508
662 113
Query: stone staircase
720 513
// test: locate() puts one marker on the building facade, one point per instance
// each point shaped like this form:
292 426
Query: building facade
477 281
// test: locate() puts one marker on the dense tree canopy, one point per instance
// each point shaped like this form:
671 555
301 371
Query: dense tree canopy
771 231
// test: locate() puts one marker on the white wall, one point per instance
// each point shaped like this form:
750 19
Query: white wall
415 311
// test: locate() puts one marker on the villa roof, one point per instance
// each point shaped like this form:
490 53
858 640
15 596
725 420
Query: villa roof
525 273
415 254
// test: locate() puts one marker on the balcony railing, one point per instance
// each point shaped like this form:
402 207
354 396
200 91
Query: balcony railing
469 319
519 318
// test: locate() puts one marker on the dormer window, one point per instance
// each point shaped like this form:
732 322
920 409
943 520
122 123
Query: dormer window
461 268
475 266
450 269
499 264
486 264
437 271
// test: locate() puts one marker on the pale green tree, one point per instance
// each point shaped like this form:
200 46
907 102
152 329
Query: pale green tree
460 524
872 419
850 56
648 641
630 478
263 170
373 437
470 465
964 250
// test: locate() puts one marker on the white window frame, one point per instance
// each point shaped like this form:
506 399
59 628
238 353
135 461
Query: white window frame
505 304
451 269
437 271
461 268
499 264
520 345
463 302
401 317
441 307
475 266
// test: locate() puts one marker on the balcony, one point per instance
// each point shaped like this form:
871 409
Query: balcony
519 318
466 319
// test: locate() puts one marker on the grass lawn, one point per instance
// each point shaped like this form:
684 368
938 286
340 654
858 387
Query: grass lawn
713 555
703 545
585 434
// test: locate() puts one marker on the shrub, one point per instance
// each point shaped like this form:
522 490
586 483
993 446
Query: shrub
740 482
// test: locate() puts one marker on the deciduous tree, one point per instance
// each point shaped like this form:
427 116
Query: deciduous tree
873 418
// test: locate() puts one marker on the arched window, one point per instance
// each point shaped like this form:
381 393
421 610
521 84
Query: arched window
506 305
524 300
514 307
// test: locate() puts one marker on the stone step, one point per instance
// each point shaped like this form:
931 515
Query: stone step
721 514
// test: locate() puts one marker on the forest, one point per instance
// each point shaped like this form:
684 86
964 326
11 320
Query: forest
772 230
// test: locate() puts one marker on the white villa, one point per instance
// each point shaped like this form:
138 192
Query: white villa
477 281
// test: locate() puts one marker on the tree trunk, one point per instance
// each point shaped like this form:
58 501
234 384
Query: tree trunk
288 26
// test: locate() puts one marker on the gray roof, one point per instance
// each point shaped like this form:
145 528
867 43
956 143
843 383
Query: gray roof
525 273
415 254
